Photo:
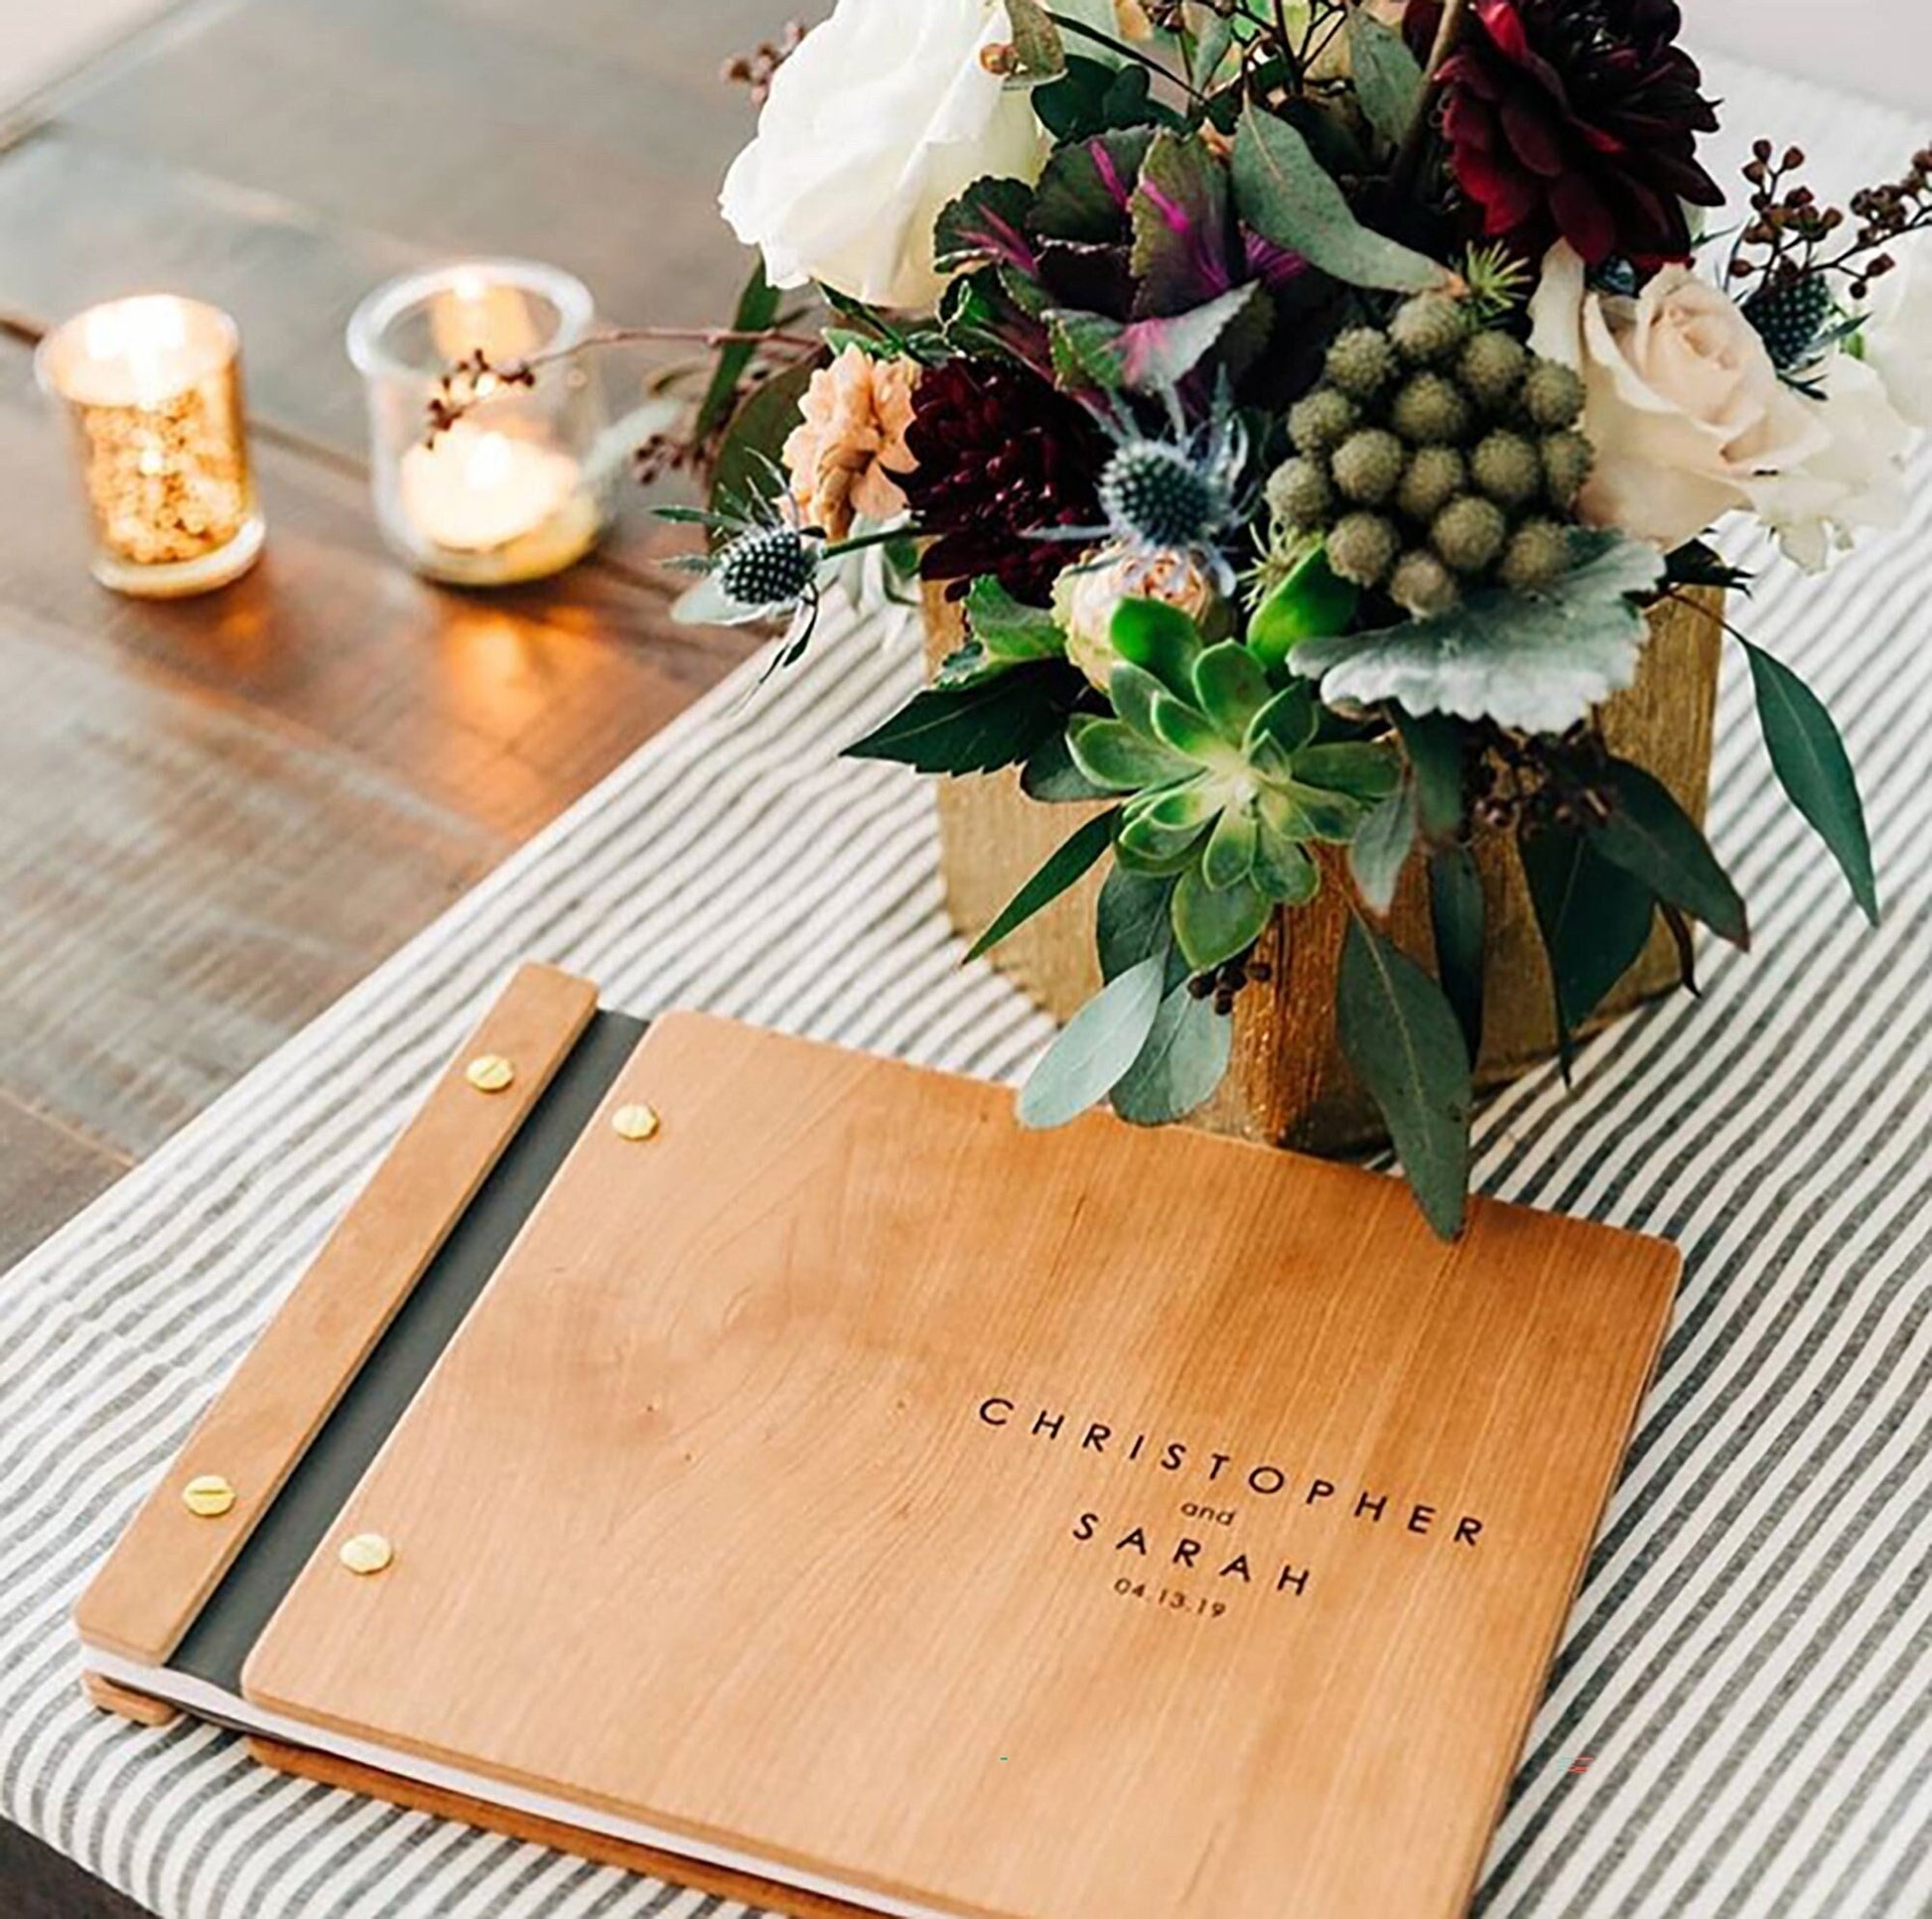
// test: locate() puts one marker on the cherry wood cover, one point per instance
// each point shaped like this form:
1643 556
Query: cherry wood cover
168 1561
736 1509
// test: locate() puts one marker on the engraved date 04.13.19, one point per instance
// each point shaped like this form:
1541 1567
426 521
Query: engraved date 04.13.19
1170 1598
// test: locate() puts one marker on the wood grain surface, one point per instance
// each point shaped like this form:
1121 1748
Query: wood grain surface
733 1508
223 812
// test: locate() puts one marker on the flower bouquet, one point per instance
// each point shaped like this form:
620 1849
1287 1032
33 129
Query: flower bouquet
1303 417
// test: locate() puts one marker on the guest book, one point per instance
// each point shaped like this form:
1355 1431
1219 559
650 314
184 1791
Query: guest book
772 1467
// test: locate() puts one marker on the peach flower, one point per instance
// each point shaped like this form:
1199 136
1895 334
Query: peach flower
1688 416
842 455
1087 597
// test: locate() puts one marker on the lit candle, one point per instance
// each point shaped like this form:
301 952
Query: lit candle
153 388
519 486
476 492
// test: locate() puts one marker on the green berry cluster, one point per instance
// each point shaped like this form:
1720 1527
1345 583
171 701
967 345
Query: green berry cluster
1436 456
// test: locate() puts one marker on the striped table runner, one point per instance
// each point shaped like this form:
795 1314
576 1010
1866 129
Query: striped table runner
1740 1722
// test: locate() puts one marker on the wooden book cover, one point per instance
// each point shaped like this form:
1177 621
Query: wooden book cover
844 1485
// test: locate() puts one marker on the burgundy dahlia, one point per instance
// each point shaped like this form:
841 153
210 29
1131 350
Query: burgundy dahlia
1575 119
1001 456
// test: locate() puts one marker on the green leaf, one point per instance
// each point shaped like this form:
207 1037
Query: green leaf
1433 744
1160 639
1113 756
1133 921
754 441
1067 868
757 307
1133 691
1185 1060
977 729
1213 43
1594 917
1184 808
1092 1055
1011 631
1179 212
1388 76
1537 661
1381 849
1049 776
1079 198
1150 846
1310 604
1456 913
1813 768
1094 97
1649 835
1402 1038
1285 194
1215 927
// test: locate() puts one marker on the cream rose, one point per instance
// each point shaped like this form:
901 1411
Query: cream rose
882 116
1854 481
1686 412
1087 597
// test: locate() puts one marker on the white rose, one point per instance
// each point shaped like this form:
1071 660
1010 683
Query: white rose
882 116
1896 339
1856 478
1686 412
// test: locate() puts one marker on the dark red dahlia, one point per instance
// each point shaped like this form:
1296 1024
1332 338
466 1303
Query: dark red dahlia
1576 118
1001 456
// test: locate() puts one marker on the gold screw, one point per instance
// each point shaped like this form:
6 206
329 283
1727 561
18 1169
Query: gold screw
636 1122
490 1073
368 1553
207 1497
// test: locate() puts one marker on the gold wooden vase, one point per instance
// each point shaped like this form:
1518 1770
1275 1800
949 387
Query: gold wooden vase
1289 1083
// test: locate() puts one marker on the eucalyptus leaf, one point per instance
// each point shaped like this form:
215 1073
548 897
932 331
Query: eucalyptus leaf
1458 916
1388 76
1185 1060
757 307
1813 768
1067 868
1133 921
1402 1038
1216 925
1649 835
1433 744
1037 42
1381 849
1094 1052
1287 197
1595 918
1535 661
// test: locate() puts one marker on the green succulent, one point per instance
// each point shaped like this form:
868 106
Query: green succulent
1230 779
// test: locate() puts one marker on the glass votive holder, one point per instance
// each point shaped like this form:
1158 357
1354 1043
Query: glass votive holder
516 488
152 385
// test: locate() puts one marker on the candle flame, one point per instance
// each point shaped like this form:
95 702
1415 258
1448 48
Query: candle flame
141 334
487 463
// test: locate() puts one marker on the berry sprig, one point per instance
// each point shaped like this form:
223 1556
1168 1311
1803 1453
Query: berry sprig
1790 238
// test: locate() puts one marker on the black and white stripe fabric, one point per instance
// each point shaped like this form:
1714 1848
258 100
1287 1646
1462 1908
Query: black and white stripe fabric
1740 1722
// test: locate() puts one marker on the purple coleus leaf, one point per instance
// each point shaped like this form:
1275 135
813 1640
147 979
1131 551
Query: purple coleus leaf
1273 266
1156 355
1086 191
987 226
1181 255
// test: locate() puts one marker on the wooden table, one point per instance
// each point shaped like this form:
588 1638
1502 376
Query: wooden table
219 814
